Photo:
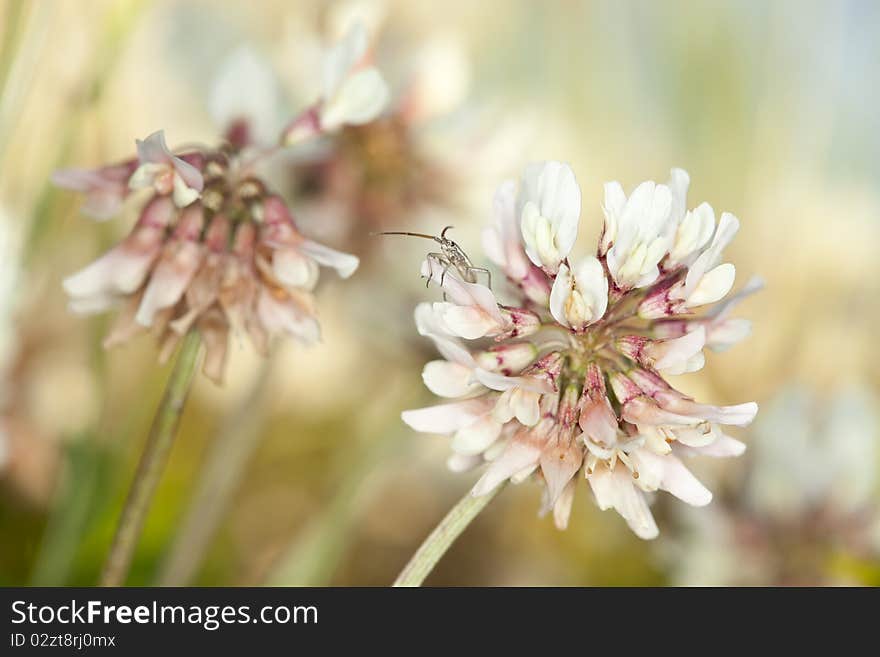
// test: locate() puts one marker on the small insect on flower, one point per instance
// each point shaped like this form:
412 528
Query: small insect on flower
451 256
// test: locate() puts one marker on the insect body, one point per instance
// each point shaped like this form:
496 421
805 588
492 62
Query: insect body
451 256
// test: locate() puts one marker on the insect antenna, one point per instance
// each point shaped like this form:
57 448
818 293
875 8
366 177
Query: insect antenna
409 234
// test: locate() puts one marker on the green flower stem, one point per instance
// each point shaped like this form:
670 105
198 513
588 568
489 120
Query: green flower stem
442 538
152 464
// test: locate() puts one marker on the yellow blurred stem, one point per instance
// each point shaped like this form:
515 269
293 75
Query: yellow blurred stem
442 538
152 464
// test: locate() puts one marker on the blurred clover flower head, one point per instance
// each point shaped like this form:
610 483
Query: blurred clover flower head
569 378
214 247
807 496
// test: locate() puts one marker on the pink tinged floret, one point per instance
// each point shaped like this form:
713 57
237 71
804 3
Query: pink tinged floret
520 323
215 334
672 356
180 259
123 269
668 473
449 379
447 418
596 417
507 359
522 452
477 437
560 461
614 489
303 127
502 241
165 172
283 315
677 404
106 188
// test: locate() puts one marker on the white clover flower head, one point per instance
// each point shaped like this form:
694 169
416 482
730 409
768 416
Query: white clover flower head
569 378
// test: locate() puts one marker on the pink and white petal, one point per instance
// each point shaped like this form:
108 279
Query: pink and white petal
562 508
559 464
153 149
102 205
183 194
724 333
92 305
445 418
169 281
485 299
467 322
477 437
342 58
714 285
146 174
615 489
722 447
360 99
345 264
559 293
447 379
285 316
293 269
463 462
670 474
526 406
120 270
521 452
500 382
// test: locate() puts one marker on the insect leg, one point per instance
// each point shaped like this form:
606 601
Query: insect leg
442 260
482 270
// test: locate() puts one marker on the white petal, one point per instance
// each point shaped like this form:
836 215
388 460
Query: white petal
246 89
713 286
168 282
519 454
146 173
463 462
562 508
467 322
360 99
679 181
549 208
559 294
294 269
444 418
153 149
448 379
345 264
615 489
117 271
477 437
343 57
284 316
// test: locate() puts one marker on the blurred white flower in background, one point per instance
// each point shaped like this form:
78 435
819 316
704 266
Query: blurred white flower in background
807 499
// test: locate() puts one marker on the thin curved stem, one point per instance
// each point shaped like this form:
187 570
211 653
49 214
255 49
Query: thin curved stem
442 538
152 464
227 460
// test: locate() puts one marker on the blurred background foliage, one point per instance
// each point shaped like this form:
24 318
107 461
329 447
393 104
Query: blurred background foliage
770 107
